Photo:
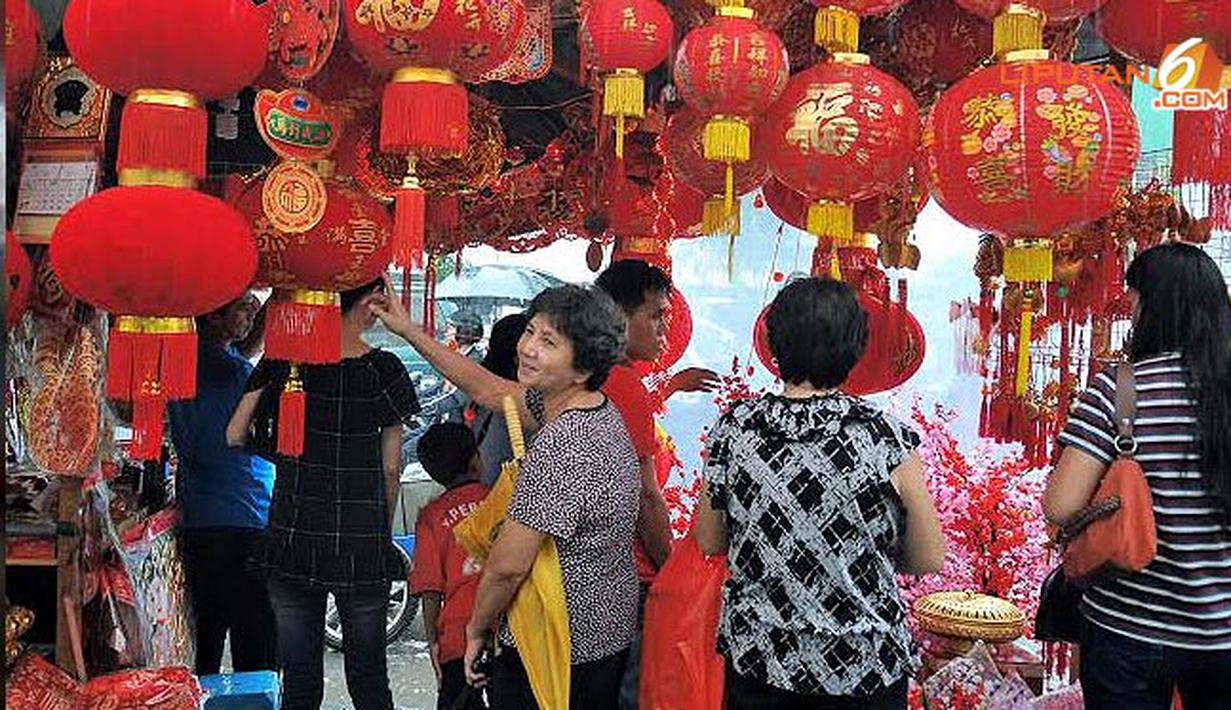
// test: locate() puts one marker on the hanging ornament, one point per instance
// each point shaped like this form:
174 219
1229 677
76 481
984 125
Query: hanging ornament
22 53
153 252
1143 29
836 26
430 50
729 71
842 132
770 13
302 35
625 39
18 279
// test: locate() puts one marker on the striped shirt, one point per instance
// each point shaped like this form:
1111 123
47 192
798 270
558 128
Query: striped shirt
1183 598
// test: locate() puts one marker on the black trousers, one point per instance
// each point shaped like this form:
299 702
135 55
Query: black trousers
747 694
592 686
455 694
228 594
1120 673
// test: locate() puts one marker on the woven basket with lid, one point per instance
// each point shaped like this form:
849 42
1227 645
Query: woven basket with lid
969 615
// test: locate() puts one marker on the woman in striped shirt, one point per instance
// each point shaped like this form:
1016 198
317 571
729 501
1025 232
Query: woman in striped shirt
1169 625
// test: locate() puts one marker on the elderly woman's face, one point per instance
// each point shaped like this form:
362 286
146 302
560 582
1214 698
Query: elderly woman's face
545 358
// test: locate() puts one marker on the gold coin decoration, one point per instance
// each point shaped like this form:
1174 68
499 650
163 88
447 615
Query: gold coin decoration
294 197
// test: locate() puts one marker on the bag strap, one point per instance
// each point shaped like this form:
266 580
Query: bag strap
1126 409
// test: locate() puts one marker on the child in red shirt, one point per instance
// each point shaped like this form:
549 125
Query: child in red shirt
444 576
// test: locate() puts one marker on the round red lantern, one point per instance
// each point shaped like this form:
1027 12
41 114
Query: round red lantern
683 144
895 351
842 132
625 39
21 53
792 207
167 58
730 70
1013 138
142 254
429 48
18 279
1143 29
940 42
1056 10
349 247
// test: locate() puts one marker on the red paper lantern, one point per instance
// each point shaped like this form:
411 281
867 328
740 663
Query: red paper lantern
18 278
940 42
625 39
842 132
430 48
142 254
730 70
1015 150
21 52
683 144
896 347
792 207
349 247
1142 29
1056 10
167 58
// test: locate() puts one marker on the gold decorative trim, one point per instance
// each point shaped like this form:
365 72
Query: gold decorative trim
138 177
165 97
309 297
424 75
154 325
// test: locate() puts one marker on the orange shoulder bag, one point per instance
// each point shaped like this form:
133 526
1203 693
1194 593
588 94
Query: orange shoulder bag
1115 533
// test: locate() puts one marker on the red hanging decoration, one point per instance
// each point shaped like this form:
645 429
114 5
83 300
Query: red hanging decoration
21 54
625 39
292 415
684 153
1143 29
1056 10
1202 155
18 279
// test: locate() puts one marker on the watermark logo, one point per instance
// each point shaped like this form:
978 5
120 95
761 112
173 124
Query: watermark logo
1189 78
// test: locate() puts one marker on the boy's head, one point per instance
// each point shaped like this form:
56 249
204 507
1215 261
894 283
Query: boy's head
449 453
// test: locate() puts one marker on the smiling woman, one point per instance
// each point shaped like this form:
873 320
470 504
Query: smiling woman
579 484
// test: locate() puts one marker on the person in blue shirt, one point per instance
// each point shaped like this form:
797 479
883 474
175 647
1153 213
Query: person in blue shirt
224 495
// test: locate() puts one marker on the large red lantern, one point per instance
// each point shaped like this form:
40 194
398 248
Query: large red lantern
842 132
792 207
167 58
21 52
349 247
142 253
1143 29
940 42
625 39
684 152
895 351
730 70
770 13
430 48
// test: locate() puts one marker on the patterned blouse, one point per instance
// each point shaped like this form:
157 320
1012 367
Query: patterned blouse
580 483
814 527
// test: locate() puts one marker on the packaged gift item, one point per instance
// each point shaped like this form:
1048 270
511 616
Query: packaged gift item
241 691
35 683
173 688
965 683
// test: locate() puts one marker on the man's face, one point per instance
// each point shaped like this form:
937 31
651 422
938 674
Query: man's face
647 327
237 318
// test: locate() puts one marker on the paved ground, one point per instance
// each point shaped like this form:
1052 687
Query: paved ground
410 674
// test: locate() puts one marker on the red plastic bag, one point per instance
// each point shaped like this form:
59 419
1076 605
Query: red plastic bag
680 668
171 688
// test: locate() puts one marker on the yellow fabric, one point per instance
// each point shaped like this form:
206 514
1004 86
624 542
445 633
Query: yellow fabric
538 616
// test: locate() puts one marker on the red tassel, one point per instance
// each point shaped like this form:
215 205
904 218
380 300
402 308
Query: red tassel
162 137
178 372
303 332
429 300
149 409
121 347
292 411
408 228
424 117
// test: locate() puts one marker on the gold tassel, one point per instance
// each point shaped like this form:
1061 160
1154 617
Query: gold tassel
835 266
717 218
837 29
832 219
1028 261
727 139
1023 344
623 97
1020 27
731 257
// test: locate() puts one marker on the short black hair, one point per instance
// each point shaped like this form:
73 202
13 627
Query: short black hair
355 295
629 280
501 358
817 332
593 324
445 451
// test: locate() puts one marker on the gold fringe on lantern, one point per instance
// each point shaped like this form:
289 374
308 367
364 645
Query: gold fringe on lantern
623 97
717 218
837 29
832 219
1020 27
1028 261
727 139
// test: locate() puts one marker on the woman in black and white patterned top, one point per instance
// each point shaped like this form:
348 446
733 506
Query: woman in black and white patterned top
580 483
818 499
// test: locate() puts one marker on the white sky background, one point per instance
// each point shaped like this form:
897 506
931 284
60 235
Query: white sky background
724 310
